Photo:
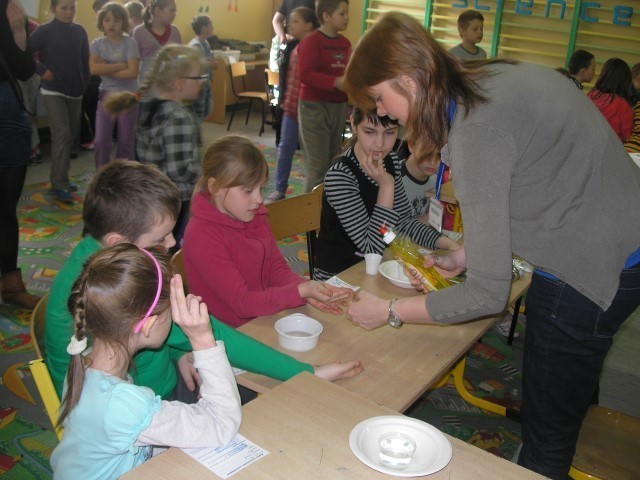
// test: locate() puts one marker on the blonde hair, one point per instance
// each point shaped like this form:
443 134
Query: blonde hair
232 161
115 289
171 63
117 11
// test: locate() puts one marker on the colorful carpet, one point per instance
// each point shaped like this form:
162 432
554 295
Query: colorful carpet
50 230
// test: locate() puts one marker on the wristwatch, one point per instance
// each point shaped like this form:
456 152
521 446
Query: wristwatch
393 320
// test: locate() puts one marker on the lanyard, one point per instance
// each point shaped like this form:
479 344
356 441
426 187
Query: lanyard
451 111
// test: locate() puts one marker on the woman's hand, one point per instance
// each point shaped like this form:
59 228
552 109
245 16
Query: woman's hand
337 370
448 263
191 315
368 311
323 296
17 22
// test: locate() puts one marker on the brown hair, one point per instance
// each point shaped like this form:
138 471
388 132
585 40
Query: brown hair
147 16
397 45
134 9
118 12
171 62
128 198
328 7
199 22
466 17
114 291
307 15
233 161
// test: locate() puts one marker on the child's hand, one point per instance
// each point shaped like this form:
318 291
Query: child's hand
323 296
335 371
338 83
48 76
374 168
191 315
188 372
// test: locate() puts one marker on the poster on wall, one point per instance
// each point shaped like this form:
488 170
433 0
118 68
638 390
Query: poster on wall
32 7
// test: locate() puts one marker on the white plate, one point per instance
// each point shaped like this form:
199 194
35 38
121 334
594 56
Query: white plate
393 272
433 449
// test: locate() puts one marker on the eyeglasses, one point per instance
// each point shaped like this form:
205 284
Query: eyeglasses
198 77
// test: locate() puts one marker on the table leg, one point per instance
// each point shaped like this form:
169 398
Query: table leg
514 320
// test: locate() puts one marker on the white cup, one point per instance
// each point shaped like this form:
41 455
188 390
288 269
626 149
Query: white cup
372 262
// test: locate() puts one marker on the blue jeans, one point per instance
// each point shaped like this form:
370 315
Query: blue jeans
289 139
566 341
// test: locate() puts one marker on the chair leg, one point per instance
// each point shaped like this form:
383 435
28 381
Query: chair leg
264 118
246 122
514 321
233 112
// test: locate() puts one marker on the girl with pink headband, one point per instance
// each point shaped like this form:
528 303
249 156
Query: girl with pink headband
125 300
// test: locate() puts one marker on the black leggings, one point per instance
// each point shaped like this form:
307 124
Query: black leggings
11 183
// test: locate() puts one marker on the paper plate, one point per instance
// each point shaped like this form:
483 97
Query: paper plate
433 449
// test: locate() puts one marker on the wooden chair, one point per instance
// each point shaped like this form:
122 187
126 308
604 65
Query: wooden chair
238 70
608 446
177 264
39 369
294 215
272 80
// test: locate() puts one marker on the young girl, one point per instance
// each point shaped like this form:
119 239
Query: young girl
125 300
116 59
203 28
168 133
244 275
63 50
156 31
302 21
363 190
612 95
134 9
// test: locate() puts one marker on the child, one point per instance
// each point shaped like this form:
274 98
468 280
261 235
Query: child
168 134
322 109
135 203
63 49
134 9
245 275
362 191
470 27
612 95
125 299
155 32
419 174
116 59
582 67
203 28
302 21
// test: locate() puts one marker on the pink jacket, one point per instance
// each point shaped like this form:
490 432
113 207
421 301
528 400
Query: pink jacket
616 110
236 267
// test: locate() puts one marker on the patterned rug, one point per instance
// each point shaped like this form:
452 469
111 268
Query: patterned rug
50 230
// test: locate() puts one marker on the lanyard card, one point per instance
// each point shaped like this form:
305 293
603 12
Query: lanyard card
436 211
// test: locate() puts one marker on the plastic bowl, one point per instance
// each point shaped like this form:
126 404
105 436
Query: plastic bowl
393 272
298 332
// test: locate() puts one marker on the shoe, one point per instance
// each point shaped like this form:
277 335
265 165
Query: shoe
63 195
503 325
274 197
88 146
14 291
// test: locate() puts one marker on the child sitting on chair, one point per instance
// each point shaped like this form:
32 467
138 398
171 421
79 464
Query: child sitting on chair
362 191
419 174
125 299
244 275
135 203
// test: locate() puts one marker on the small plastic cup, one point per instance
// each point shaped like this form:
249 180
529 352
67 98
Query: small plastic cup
396 450
372 262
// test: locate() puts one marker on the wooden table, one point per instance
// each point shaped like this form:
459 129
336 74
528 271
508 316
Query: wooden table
305 425
400 364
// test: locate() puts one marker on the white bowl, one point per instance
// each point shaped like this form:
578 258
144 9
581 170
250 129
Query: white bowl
298 332
393 272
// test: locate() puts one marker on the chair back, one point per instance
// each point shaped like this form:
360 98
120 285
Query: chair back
295 215
272 79
177 265
38 368
237 70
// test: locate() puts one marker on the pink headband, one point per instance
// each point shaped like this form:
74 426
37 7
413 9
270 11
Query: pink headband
155 300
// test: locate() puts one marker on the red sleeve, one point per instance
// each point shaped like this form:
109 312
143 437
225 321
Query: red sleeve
309 53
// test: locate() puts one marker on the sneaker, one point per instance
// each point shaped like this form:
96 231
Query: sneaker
274 197
503 325
88 146
63 195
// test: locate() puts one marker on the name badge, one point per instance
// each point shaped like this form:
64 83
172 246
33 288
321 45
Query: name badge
436 211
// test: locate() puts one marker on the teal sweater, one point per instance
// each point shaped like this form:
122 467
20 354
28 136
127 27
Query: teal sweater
152 368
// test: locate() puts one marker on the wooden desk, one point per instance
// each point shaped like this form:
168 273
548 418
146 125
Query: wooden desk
305 425
221 86
400 364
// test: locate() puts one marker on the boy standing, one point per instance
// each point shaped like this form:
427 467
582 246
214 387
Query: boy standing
203 28
582 67
470 28
322 109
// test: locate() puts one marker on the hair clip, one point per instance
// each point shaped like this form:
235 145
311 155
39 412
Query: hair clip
140 324
76 347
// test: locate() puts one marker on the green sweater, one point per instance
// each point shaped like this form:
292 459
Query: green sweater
152 368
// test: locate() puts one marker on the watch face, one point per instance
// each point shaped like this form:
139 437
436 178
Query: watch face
395 322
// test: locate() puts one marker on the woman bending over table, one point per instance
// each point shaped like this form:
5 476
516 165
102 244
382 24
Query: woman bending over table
537 171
